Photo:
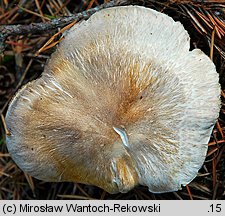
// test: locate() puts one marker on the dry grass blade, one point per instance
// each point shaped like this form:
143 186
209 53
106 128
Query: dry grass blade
195 196
48 44
4 125
24 74
142 195
195 1
220 129
222 150
4 155
206 16
221 51
82 191
4 174
189 192
223 94
90 4
39 10
63 7
65 196
215 191
195 20
34 13
103 195
220 22
30 181
216 27
216 142
17 44
177 196
212 151
204 19
214 172
212 44
201 187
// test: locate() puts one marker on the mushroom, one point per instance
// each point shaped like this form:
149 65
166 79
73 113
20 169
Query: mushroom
121 102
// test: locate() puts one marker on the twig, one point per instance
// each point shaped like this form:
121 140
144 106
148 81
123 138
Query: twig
40 28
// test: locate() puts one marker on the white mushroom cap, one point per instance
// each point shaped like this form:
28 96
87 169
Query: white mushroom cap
121 102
